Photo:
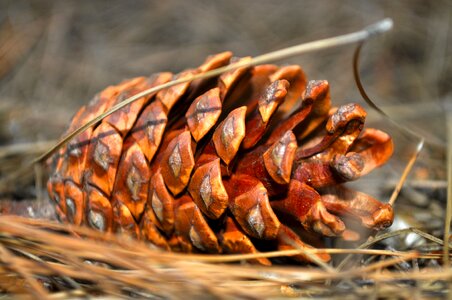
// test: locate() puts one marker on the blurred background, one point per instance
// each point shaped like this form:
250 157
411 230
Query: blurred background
55 55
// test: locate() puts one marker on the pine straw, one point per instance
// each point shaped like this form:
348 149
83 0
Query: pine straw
43 259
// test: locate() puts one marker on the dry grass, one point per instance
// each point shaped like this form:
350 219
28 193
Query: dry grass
77 261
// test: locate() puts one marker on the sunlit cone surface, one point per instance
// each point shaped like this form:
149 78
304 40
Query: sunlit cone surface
218 164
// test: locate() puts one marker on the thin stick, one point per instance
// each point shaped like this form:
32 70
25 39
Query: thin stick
406 171
351 38
283 253
449 193
404 129
354 37
369 101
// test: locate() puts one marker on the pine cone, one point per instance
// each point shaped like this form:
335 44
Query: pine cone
216 165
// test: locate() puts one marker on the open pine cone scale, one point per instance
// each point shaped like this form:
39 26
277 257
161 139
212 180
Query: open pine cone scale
214 165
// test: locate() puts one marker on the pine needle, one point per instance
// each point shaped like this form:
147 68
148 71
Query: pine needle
448 217
404 129
354 37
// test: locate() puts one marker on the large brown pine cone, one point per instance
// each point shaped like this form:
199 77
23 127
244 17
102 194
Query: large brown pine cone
217 164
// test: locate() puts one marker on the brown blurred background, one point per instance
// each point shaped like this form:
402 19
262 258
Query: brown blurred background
55 55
